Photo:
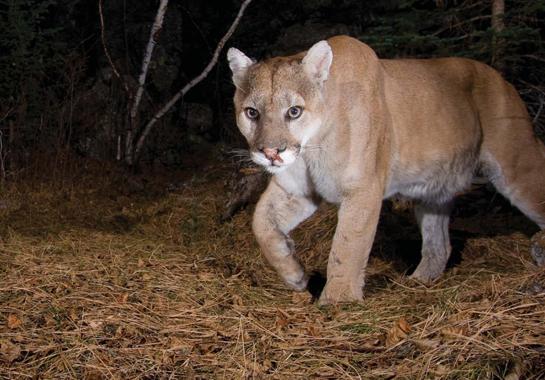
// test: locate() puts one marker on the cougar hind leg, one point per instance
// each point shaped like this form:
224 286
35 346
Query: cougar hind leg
511 155
433 220
516 167
520 177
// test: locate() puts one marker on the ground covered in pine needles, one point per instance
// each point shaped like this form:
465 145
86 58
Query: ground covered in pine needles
102 277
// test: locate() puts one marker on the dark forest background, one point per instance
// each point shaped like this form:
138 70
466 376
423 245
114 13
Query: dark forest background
59 97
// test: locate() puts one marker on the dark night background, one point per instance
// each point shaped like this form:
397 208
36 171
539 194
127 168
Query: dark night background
150 270
58 97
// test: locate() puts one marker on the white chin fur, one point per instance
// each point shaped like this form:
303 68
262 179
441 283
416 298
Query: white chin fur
288 157
273 169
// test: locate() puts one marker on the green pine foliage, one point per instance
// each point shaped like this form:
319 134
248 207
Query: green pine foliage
31 51
419 28
440 28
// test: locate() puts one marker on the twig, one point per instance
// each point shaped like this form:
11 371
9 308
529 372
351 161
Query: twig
107 52
461 23
538 113
2 166
118 155
6 114
193 82
155 30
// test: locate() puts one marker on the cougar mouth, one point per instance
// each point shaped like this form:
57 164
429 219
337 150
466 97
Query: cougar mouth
275 162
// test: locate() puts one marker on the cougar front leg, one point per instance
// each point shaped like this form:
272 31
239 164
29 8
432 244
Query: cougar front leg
357 223
277 213
433 221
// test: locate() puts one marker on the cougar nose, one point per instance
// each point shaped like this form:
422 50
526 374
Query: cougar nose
270 153
273 153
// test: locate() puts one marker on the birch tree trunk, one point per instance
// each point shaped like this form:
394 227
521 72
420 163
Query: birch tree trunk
498 25
133 117
152 122
136 132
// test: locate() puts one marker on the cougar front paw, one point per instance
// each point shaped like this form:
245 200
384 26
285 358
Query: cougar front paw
426 273
298 283
434 261
340 292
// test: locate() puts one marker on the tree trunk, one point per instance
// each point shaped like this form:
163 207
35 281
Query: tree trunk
498 25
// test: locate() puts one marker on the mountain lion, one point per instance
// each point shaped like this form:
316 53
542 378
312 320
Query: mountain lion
339 124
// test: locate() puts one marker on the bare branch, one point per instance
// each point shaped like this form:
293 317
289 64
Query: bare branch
155 30
538 113
107 52
193 82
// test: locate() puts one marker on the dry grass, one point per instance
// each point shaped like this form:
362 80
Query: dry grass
99 282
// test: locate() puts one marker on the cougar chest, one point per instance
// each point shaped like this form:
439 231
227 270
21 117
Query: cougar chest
324 177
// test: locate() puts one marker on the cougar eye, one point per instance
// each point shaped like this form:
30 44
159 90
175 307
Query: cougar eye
251 113
294 112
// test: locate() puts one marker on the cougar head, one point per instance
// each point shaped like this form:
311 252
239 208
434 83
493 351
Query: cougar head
279 103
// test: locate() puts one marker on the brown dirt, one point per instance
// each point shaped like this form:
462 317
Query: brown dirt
136 279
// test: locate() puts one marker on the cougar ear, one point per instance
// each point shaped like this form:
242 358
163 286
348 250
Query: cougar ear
318 61
239 64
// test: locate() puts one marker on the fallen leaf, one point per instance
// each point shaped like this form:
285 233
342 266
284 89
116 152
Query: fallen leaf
382 374
282 320
206 276
256 369
441 370
326 372
267 364
398 332
301 298
206 348
18 338
237 300
94 324
123 298
73 313
179 344
14 322
313 330
426 344
119 332
9 351
404 325
167 358
452 332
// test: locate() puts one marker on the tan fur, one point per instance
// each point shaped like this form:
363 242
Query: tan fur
373 128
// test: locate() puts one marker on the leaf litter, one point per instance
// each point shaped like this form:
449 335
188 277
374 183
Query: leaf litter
97 282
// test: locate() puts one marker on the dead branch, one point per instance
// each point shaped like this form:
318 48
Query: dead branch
193 82
107 52
155 30
538 112
2 159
